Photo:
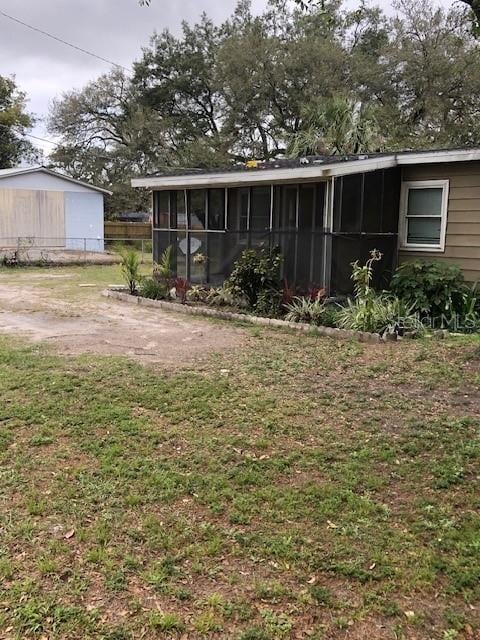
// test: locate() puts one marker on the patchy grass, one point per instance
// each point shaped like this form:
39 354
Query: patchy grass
303 488
68 282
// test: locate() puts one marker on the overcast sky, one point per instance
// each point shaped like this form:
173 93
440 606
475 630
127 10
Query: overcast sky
114 29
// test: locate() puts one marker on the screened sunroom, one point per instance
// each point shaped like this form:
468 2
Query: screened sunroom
320 225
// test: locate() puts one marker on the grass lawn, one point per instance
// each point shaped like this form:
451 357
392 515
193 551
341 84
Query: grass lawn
304 488
68 281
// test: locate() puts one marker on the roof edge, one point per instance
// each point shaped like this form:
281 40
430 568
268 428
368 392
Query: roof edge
320 171
25 170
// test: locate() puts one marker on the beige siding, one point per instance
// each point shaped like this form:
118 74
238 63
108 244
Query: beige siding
462 242
32 214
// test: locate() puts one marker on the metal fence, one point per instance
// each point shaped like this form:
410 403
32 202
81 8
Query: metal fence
25 250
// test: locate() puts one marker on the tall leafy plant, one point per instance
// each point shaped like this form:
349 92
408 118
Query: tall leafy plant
256 274
130 269
371 311
163 269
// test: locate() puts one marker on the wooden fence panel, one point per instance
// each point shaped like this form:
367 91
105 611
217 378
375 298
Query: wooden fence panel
131 230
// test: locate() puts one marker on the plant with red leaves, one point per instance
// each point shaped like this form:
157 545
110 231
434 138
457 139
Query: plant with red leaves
182 286
316 293
289 291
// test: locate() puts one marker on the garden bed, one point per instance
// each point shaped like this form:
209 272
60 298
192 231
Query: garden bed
194 309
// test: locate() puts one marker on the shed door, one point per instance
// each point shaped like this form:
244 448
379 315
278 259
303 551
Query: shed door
36 216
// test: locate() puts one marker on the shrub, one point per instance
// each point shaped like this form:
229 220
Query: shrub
373 312
381 313
224 297
430 288
470 315
269 303
197 293
130 268
163 270
153 289
309 311
182 287
289 291
256 271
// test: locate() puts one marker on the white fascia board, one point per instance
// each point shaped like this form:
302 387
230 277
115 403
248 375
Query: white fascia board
432 157
360 166
74 181
265 176
230 178
21 171
319 171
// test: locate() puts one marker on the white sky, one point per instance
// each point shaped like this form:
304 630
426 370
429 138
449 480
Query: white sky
114 29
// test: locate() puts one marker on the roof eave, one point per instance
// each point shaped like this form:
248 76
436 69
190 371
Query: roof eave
26 170
320 171
264 176
432 157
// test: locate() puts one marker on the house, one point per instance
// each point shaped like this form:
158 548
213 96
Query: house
323 213
49 209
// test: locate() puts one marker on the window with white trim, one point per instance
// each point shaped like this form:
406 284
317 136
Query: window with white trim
424 207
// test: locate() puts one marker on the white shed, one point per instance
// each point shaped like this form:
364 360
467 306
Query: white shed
50 209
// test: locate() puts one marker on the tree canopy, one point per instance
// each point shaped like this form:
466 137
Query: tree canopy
14 122
296 79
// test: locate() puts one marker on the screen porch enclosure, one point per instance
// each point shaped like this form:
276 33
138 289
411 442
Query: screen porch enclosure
319 227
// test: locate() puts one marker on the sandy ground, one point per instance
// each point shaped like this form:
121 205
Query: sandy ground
93 324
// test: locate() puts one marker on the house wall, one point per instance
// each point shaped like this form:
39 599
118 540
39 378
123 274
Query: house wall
32 214
84 225
462 242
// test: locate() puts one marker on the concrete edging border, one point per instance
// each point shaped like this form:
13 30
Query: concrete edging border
343 334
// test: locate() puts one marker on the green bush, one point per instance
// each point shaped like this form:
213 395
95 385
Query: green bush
257 271
431 288
311 311
371 311
269 303
130 268
153 289
224 297
197 293
379 314
163 270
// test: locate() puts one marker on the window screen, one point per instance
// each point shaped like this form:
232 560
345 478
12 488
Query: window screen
197 209
238 209
260 208
178 217
319 206
216 209
305 207
351 206
288 207
161 212
372 202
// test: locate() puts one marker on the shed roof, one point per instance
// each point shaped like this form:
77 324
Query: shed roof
18 171
309 167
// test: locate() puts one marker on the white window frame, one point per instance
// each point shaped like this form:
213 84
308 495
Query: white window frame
403 231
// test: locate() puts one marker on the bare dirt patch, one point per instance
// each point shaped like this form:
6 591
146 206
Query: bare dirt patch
91 324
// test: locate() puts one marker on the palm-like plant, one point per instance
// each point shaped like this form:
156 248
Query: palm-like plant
130 268
163 270
337 126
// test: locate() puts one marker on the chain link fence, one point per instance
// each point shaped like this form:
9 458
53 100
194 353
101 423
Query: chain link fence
49 250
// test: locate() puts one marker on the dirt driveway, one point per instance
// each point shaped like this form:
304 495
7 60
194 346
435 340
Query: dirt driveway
64 307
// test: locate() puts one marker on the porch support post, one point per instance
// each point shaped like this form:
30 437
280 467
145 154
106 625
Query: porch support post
328 229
